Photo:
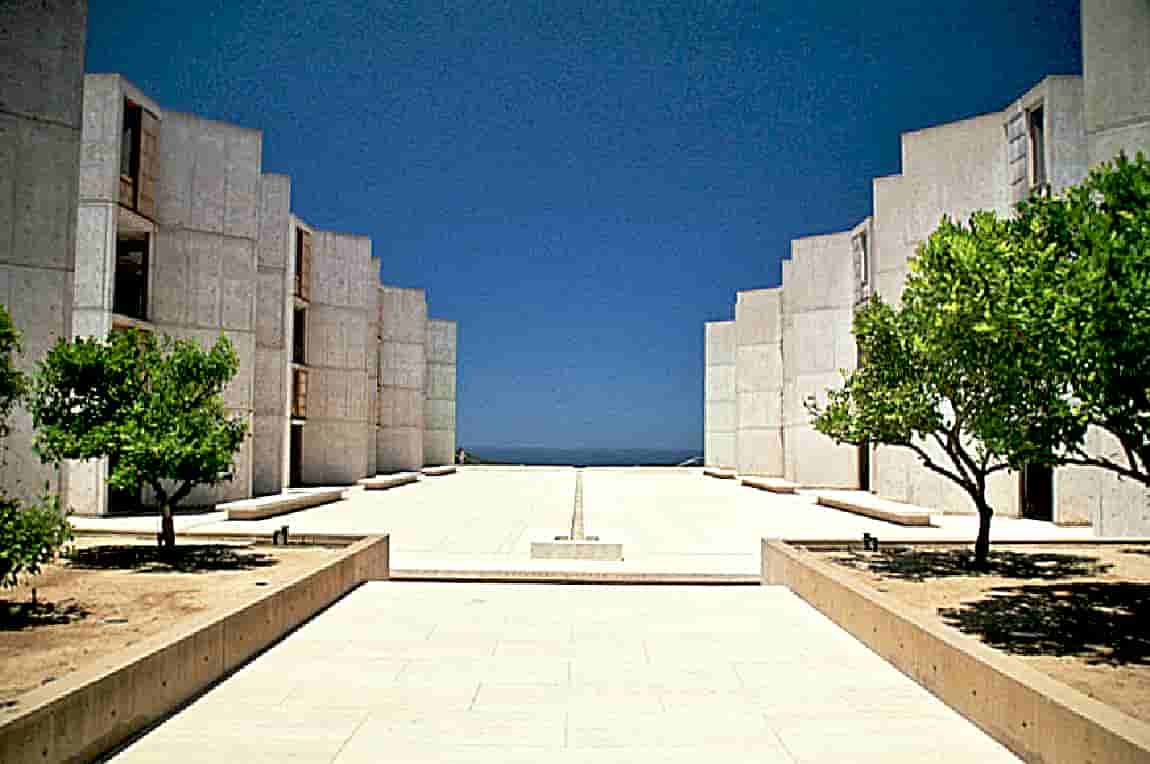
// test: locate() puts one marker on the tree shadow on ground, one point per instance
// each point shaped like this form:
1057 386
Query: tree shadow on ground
1102 623
1143 551
17 616
191 558
920 564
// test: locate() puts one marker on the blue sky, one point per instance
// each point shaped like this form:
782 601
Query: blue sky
582 184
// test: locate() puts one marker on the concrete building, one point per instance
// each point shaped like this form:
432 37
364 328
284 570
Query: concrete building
41 90
1047 138
720 418
439 400
181 233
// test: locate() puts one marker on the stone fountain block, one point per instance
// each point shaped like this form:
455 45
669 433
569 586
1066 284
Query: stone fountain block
588 548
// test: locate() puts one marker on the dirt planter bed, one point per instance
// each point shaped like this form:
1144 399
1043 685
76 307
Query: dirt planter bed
104 703
1037 717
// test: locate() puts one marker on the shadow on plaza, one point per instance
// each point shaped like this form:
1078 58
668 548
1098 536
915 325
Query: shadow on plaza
921 564
1102 623
16 616
190 558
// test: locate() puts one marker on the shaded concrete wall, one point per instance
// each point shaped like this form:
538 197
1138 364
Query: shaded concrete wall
439 401
1116 69
402 370
41 92
205 272
759 381
818 306
339 346
720 418
953 170
275 266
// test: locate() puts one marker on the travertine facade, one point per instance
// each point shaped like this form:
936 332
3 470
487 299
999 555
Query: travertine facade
1047 138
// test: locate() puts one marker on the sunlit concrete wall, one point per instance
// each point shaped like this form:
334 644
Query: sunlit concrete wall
720 419
275 265
41 92
1116 70
1060 98
204 271
759 381
402 370
1116 67
818 306
339 345
439 400
953 170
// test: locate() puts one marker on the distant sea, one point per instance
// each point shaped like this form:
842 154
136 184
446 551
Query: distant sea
581 457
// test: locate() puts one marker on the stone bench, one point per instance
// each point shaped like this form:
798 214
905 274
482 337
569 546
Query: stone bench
772 484
863 503
715 472
277 504
383 482
446 469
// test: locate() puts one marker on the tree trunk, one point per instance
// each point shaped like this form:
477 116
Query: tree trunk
167 527
982 543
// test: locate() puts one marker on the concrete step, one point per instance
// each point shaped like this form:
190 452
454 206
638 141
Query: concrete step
772 484
279 503
446 469
863 503
722 474
383 482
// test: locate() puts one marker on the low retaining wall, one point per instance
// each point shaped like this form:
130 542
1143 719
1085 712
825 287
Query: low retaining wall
92 711
1035 716
280 503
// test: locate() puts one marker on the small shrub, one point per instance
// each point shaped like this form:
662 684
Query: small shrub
29 537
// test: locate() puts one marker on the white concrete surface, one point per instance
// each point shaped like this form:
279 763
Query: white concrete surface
407 672
720 418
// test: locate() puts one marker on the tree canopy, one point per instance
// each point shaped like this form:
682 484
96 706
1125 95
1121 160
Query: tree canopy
153 407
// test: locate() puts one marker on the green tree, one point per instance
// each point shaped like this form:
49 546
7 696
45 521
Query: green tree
935 378
29 535
1083 261
154 408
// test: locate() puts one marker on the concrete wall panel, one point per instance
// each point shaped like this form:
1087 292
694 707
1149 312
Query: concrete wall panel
402 378
719 402
759 381
42 59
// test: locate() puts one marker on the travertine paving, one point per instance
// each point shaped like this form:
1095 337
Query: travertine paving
669 520
409 672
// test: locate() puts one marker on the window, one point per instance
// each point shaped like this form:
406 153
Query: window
299 336
130 290
130 140
302 264
299 394
862 261
1036 130
139 159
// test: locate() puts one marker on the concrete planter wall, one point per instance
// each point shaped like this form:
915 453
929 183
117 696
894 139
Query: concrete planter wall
94 710
1036 717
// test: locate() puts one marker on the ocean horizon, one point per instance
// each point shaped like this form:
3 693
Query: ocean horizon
581 457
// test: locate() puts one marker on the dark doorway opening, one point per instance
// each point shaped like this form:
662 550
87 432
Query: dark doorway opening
295 456
864 467
1036 492
129 500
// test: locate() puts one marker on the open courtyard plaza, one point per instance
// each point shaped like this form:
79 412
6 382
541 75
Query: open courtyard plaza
435 671
668 520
